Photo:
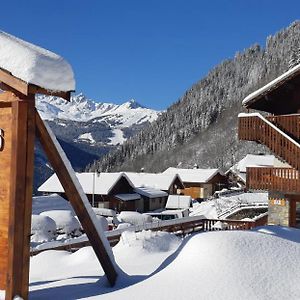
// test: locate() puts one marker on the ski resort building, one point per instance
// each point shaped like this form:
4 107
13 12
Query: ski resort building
199 183
280 132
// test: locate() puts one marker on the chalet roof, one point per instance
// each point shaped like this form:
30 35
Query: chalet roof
150 192
273 96
252 160
157 181
193 175
178 202
92 183
128 197
35 65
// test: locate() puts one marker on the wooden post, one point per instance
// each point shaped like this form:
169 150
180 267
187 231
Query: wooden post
78 200
19 141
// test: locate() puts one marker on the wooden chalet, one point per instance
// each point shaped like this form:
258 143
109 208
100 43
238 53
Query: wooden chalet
152 198
106 190
199 183
279 130
168 183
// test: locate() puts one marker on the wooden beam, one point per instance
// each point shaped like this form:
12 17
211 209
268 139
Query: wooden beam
14 84
77 199
20 206
34 89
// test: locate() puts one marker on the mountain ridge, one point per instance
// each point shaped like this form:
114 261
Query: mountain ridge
201 127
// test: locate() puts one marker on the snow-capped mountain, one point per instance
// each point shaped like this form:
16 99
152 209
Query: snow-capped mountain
82 109
91 119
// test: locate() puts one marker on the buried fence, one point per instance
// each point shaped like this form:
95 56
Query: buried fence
180 226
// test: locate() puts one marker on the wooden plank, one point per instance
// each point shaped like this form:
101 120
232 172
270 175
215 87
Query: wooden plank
28 195
14 82
21 198
80 205
33 89
5 192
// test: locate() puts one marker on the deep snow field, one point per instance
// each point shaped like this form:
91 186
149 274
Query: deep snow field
259 264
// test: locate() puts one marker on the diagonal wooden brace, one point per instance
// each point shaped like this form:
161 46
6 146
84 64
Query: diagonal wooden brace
77 198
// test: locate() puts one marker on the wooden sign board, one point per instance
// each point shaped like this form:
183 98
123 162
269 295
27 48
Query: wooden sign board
278 202
5 172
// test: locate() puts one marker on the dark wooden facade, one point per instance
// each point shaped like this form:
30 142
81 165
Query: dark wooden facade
122 186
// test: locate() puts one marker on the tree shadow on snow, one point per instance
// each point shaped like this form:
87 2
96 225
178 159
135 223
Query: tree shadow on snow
101 286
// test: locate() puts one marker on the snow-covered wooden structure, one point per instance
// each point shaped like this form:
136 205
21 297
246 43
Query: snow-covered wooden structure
199 183
107 190
280 132
237 174
26 70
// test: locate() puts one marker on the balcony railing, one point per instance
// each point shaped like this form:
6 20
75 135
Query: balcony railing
287 123
254 127
273 179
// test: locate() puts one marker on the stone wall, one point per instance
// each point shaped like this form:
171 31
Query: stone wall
279 207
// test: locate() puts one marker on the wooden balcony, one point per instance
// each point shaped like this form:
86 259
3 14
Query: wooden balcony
279 133
290 124
273 179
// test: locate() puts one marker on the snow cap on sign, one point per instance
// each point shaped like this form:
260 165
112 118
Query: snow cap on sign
35 65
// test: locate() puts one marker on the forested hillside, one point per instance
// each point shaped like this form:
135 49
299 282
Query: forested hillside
201 127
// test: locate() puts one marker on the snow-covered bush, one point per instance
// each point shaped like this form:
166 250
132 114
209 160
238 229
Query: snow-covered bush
43 229
134 218
65 221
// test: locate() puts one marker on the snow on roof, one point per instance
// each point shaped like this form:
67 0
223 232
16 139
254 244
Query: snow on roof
50 202
157 181
128 197
252 160
272 85
35 65
193 175
150 192
178 202
92 183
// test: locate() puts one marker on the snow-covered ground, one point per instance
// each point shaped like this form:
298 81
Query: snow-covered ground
260 264
118 137
86 137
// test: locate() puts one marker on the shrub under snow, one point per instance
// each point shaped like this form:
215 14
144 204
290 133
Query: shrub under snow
134 218
66 223
43 229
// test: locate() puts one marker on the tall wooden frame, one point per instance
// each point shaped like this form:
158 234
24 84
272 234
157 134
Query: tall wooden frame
19 121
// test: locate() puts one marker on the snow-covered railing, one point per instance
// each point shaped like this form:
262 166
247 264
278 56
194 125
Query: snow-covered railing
178 226
255 127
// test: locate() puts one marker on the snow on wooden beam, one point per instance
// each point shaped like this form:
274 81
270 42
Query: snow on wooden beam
77 198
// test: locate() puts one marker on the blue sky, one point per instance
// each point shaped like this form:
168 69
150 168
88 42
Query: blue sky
149 50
